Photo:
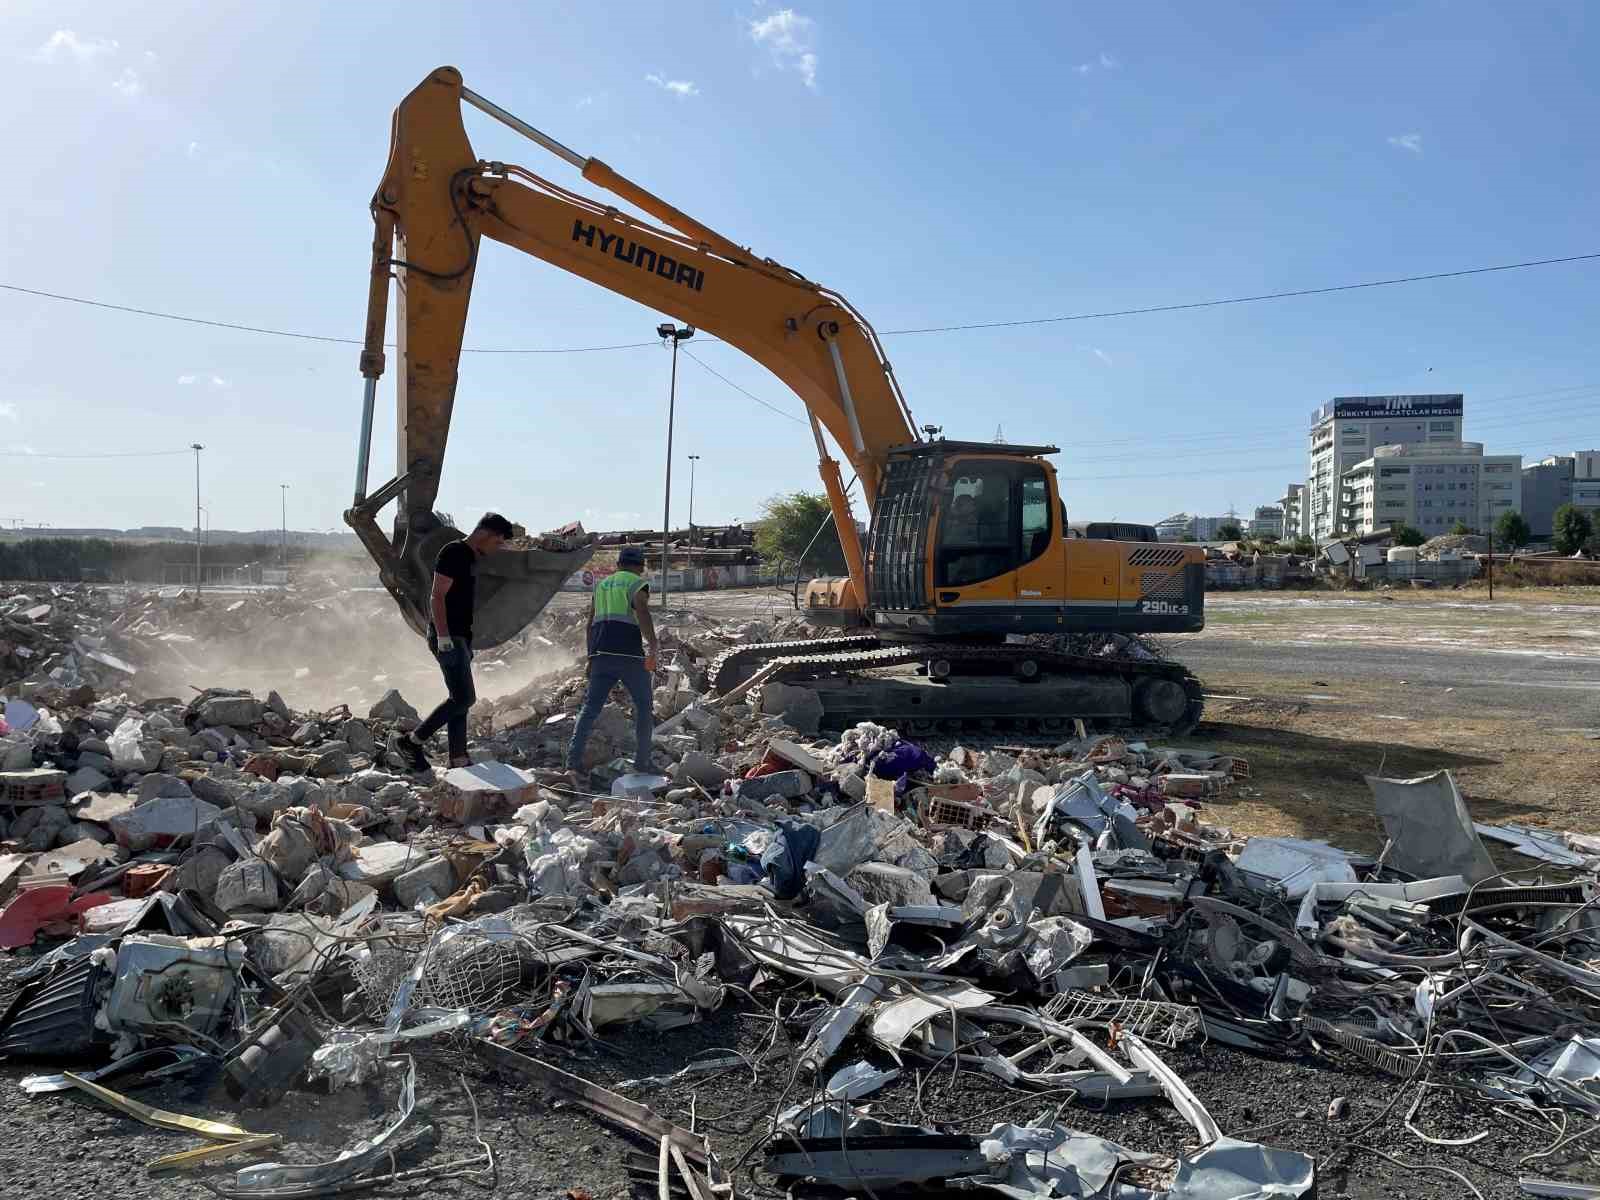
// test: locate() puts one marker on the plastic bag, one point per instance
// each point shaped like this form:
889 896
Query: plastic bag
124 744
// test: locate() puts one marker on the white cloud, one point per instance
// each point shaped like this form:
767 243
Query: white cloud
128 83
192 378
678 87
194 149
1101 355
585 102
64 44
8 410
186 380
218 381
1101 62
790 38
1407 141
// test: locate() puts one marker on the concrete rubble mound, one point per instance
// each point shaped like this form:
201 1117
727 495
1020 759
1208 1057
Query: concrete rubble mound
222 886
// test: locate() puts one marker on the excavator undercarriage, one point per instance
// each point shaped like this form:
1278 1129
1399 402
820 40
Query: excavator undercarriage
932 687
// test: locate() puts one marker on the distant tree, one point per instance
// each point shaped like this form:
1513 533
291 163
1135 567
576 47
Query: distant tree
1188 537
1511 531
1572 529
1303 545
1408 535
1461 529
1229 531
788 525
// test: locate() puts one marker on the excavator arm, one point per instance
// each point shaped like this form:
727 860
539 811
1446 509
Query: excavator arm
437 200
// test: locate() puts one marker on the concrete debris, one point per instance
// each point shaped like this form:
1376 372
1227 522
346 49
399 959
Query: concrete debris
1050 918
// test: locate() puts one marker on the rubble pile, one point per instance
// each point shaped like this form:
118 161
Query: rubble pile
226 884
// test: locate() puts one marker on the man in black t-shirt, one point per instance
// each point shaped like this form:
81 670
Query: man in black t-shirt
450 608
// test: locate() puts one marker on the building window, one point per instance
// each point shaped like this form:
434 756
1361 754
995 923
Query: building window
1441 426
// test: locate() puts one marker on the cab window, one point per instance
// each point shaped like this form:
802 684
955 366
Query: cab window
995 516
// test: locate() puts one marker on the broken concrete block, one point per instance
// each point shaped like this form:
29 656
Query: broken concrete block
333 762
237 711
219 791
436 876
788 785
358 737
481 791
83 831
39 827
154 787
275 704
880 883
86 779
161 821
247 884
703 769
391 708
97 761
379 863
805 712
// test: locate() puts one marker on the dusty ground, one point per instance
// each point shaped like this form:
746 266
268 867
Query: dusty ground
1314 690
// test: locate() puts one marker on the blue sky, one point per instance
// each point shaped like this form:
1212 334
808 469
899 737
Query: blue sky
939 164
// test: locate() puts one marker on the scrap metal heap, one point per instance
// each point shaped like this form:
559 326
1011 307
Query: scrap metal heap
225 887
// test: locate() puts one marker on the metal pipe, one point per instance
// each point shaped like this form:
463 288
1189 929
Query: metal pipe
197 447
666 510
528 131
844 391
369 397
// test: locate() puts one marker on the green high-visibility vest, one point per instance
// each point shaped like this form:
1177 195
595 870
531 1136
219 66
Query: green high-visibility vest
615 627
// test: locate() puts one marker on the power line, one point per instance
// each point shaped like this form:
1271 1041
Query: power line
977 325
749 395
1285 295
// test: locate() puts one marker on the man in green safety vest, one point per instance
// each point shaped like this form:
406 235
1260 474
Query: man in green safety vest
622 649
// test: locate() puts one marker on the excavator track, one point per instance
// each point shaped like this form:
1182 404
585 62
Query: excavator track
1021 685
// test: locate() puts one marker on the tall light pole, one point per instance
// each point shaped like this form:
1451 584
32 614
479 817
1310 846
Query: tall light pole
693 541
676 335
283 550
196 447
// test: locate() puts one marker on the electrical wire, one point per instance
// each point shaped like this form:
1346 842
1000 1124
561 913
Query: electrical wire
750 395
118 454
1288 294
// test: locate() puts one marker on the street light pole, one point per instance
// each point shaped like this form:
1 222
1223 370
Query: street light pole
196 447
693 541
283 549
676 335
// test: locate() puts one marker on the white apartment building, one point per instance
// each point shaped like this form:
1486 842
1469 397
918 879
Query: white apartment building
1175 528
1293 504
1431 487
1348 429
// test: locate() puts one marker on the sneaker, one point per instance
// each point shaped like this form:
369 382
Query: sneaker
411 750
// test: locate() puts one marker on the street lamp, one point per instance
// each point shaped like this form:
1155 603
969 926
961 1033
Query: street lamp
196 447
668 330
693 541
283 549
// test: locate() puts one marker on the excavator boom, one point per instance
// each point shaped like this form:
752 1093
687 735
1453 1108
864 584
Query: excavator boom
437 200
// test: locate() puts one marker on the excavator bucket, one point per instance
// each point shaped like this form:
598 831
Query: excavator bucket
514 586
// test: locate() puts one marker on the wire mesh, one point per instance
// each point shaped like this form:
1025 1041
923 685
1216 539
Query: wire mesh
1156 1021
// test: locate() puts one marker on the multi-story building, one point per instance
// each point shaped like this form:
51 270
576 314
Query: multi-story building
1267 523
1347 429
1207 529
1293 503
1559 479
1175 528
1431 487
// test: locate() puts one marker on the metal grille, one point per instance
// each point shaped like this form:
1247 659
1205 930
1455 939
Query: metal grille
1156 1021
1156 556
1161 585
897 562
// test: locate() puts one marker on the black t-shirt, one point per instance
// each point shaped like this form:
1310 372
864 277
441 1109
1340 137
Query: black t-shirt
458 562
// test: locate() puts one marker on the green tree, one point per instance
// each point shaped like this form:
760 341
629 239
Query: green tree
1572 529
1511 531
1408 535
1303 546
788 525
1461 528
1229 532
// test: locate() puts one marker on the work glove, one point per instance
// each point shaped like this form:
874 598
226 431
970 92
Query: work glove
446 645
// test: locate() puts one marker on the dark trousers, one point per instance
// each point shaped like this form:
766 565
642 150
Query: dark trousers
605 672
456 665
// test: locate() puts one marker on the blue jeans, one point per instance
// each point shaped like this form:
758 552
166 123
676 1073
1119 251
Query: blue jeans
605 672
456 666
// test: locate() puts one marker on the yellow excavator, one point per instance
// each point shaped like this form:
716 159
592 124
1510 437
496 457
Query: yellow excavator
969 564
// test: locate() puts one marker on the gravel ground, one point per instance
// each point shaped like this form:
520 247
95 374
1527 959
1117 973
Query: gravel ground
68 1145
